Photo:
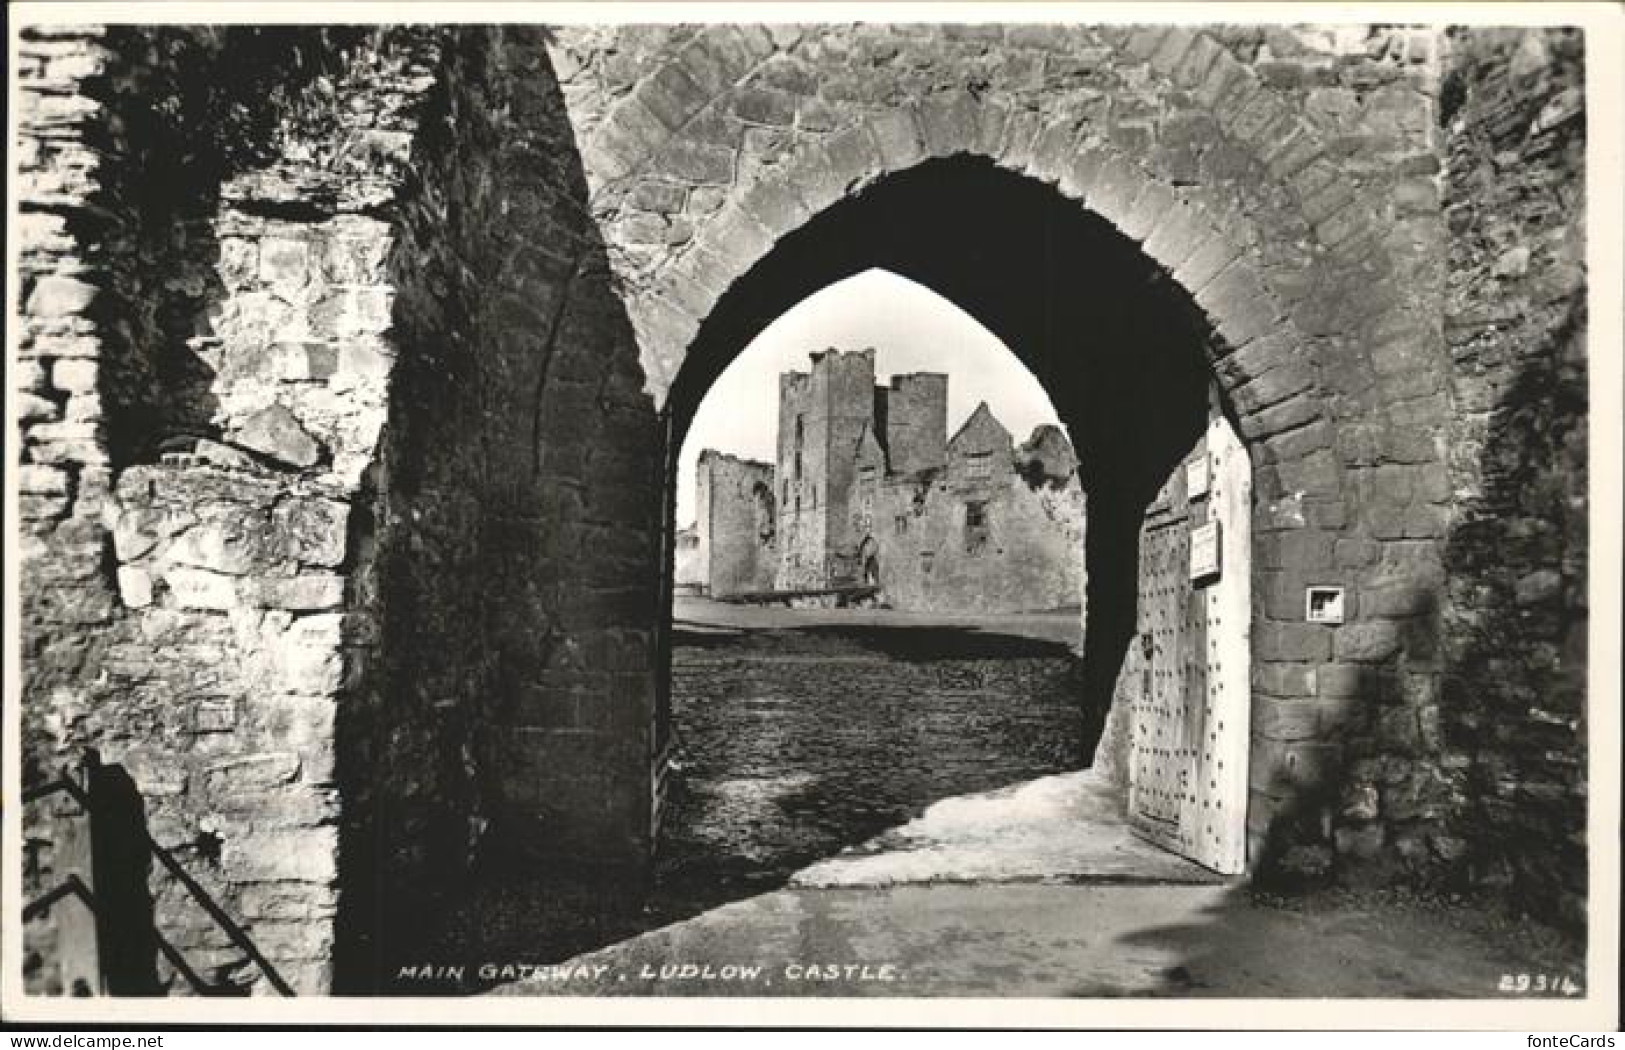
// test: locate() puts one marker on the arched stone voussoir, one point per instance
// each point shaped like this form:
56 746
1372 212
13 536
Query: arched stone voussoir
829 171
951 122
664 332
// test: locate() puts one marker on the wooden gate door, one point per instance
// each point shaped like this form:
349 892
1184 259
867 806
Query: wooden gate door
1189 720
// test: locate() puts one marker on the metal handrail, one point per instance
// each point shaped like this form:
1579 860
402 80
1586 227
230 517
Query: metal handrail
75 886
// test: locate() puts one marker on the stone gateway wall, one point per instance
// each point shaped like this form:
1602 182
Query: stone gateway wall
348 360
1514 703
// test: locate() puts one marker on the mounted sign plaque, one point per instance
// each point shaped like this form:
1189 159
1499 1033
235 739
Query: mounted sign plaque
1196 478
1205 546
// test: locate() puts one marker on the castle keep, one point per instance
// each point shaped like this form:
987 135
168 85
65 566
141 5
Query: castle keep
870 492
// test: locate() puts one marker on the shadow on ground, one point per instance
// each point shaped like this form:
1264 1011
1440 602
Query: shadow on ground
792 745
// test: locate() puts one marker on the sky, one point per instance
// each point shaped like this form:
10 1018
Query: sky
911 328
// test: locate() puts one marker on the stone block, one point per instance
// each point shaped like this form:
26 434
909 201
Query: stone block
1118 183
156 773
304 855
1263 112
1297 411
1147 210
1193 66
1179 231
767 107
1402 597
1304 550
307 655
34 479
1276 386
284 263
1206 262
1293 152
247 774
201 589
312 530
1391 520
1344 680
70 441
685 294
1143 41
1298 720
1078 175
74 375
697 163
1316 473
1370 642
897 136
624 141
286 900
1170 52
950 122
1054 149
309 593
1292 642
83 407
673 95
58 295
1279 766
853 155
230 544
736 237
1298 443
275 432
721 55
134 587
1240 304
664 198
30 376
1284 680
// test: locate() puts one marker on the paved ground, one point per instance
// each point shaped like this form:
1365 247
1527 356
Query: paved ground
1044 940
1035 889
1040 891
1058 828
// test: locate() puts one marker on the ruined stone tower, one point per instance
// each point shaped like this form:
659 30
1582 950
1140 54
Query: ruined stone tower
823 415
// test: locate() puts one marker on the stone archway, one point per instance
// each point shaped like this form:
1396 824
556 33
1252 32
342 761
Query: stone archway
1222 182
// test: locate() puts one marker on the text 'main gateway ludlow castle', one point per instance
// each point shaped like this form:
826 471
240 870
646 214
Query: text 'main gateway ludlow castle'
869 491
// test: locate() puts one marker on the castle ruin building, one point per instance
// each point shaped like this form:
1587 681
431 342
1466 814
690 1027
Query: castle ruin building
872 493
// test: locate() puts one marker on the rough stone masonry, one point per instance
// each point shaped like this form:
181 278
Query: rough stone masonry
349 363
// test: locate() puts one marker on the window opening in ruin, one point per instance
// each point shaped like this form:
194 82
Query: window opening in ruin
979 464
977 529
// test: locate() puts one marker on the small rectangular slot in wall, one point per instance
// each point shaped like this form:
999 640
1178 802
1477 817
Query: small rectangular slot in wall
1323 604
